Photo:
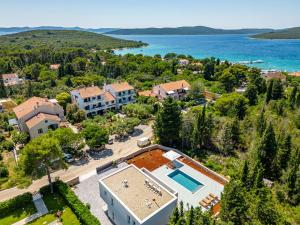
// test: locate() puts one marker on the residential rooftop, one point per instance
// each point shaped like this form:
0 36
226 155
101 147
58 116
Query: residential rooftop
9 76
108 97
41 117
121 86
88 92
176 85
147 93
138 197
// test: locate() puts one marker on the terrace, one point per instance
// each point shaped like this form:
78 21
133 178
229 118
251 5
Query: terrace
195 184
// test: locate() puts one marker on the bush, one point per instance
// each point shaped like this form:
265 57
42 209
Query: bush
81 210
10 205
3 171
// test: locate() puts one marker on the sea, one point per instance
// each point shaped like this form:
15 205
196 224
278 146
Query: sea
281 55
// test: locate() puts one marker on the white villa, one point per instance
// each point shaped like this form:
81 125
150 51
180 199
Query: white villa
177 90
155 180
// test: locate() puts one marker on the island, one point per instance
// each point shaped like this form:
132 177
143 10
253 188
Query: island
196 30
290 33
58 39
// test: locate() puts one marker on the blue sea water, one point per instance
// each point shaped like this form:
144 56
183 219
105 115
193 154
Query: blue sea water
276 54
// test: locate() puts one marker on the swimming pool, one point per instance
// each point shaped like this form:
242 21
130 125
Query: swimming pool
185 180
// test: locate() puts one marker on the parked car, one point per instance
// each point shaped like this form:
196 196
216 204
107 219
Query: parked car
143 142
68 158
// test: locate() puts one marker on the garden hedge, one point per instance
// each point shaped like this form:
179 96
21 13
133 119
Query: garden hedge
80 209
15 203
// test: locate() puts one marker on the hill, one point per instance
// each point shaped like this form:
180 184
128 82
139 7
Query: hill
198 30
63 39
290 33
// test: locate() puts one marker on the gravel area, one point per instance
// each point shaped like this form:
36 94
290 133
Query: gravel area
88 192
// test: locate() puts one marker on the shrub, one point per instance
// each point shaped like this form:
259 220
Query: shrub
20 201
81 210
3 171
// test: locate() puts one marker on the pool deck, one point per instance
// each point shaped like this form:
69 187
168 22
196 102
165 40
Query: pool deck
184 195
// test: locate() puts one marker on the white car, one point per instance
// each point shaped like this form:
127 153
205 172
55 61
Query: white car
143 142
68 158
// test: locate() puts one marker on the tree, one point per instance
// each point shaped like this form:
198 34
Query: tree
168 122
245 174
269 91
2 89
95 136
41 152
230 137
284 152
74 114
267 150
251 94
197 91
63 99
228 80
234 205
292 98
277 89
261 123
19 137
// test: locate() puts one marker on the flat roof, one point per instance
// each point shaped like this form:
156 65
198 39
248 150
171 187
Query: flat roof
138 197
171 155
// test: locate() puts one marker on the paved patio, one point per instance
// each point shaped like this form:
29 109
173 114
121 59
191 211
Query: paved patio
88 192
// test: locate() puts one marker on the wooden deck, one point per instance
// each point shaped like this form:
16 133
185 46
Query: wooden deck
150 160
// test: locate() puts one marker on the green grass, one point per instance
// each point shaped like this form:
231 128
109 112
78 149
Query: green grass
55 202
18 215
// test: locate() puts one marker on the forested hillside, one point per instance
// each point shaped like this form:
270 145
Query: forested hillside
291 33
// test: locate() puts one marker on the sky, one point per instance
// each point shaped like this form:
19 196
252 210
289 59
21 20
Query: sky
151 13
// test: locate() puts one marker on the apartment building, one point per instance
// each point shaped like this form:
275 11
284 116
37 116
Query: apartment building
123 93
37 115
177 90
134 197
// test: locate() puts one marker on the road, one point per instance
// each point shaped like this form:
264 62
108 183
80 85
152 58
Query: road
118 150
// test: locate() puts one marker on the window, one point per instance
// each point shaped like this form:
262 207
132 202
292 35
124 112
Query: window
128 219
87 107
129 98
120 100
99 97
40 131
111 201
133 222
119 94
46 121
94 98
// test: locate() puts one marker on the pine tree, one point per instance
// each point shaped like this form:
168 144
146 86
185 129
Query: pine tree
29 89
174 217
261 123
245 174
61 71
266 151
293 179
269 91
190 217
2 89
69 82
251 94
292 98
198 131
230 137
277 89
284 152
168 123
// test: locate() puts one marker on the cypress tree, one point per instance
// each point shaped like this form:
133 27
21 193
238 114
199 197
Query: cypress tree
267 149
168 123
198 131
293 179
175 217
261 123
292 98
284 151
269 91
2 88
277 89
251 94
29 89
245 174
190 217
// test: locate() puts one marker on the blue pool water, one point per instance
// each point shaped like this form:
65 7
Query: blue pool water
185 180
276 54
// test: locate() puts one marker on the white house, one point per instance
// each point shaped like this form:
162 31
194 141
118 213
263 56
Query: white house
93 100
135 197
123 93
11 79
177 90
37 115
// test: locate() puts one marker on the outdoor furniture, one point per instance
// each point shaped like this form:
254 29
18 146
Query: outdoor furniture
202 203
206 201
213 196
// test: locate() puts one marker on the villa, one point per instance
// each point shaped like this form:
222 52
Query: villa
37 115
11 79
268 75
155 180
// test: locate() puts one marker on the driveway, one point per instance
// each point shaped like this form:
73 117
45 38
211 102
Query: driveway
117 150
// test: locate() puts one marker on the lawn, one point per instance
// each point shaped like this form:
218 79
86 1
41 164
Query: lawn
18 215
55 202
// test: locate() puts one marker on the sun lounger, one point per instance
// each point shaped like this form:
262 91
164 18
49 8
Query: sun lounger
213 196
206 201
202 203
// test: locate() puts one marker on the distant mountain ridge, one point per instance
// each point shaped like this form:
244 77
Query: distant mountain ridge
290 33
22 29
197 30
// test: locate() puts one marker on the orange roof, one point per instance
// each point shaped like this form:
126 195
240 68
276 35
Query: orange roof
30 105
124 86
108 97
148 93
41 117
176 85
90 91
9 76
54 66
296 74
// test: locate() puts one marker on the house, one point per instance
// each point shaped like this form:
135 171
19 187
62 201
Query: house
183 62
11 79
268 75
150 184
147 93
123 93
93 100
177 90
133 196
37 115
54 66
210 96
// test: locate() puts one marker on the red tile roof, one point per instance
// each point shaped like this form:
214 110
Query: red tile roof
176 85
90 91
41 117
124 86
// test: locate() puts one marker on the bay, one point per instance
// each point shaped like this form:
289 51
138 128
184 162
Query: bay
276 54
